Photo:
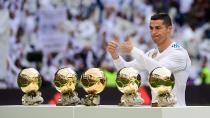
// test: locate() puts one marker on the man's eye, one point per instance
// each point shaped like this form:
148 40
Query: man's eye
150 28
158 27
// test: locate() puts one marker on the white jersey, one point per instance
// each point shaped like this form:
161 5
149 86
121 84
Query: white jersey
175 58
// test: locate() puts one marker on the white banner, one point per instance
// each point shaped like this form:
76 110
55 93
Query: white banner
51 39
55 42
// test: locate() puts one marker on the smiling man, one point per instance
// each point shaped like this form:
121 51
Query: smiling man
168 54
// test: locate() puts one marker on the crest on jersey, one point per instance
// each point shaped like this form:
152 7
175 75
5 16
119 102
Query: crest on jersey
175 45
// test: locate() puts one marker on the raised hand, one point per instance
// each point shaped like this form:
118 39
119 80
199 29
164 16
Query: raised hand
112 47
127 45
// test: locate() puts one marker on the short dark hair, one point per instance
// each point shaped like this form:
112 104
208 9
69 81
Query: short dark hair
162 16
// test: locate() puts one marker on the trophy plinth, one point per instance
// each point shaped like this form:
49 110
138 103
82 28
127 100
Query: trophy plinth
91 100
162 82
33 98
29 81
131 99
166 99
65 82
128 82
93 82
68 99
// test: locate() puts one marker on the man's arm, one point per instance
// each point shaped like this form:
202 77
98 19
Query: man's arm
121 63
175 61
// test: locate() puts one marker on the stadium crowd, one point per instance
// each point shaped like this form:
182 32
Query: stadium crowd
51 34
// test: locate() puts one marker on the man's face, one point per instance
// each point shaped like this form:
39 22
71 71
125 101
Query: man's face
159 31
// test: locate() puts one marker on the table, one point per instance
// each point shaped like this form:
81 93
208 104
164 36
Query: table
102 111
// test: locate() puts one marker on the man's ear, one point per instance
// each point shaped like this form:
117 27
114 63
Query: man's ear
170 28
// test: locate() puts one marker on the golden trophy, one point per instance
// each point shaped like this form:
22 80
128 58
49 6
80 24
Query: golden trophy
162 82
128 82
93 82
29 81
65 82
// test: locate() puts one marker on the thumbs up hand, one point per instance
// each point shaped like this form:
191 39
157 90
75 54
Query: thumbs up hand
127 45
112 47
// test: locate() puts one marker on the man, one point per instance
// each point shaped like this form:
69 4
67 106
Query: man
168 54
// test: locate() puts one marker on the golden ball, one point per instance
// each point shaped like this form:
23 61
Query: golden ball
29 80
128 80
65 80
161 79
93 81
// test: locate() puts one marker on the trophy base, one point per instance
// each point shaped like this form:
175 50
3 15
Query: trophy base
32 98
131 99
154 104
91 100
68 99
166 100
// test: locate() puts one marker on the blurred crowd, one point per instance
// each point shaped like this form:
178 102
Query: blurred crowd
51 34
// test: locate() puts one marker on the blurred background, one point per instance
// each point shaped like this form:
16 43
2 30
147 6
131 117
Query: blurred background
51 34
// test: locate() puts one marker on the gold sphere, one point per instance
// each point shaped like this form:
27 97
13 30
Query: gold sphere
93 81
128 80
65 80
161 79
29 80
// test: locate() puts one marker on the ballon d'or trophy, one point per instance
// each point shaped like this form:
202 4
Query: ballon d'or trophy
65 82
162 82
29 81
93 82
128 82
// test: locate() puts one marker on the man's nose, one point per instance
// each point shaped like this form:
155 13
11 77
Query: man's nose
153 32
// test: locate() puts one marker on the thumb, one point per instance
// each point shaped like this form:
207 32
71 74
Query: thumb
116 39
128 39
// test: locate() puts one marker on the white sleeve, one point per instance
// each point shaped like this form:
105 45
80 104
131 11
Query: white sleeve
121 63
174 61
